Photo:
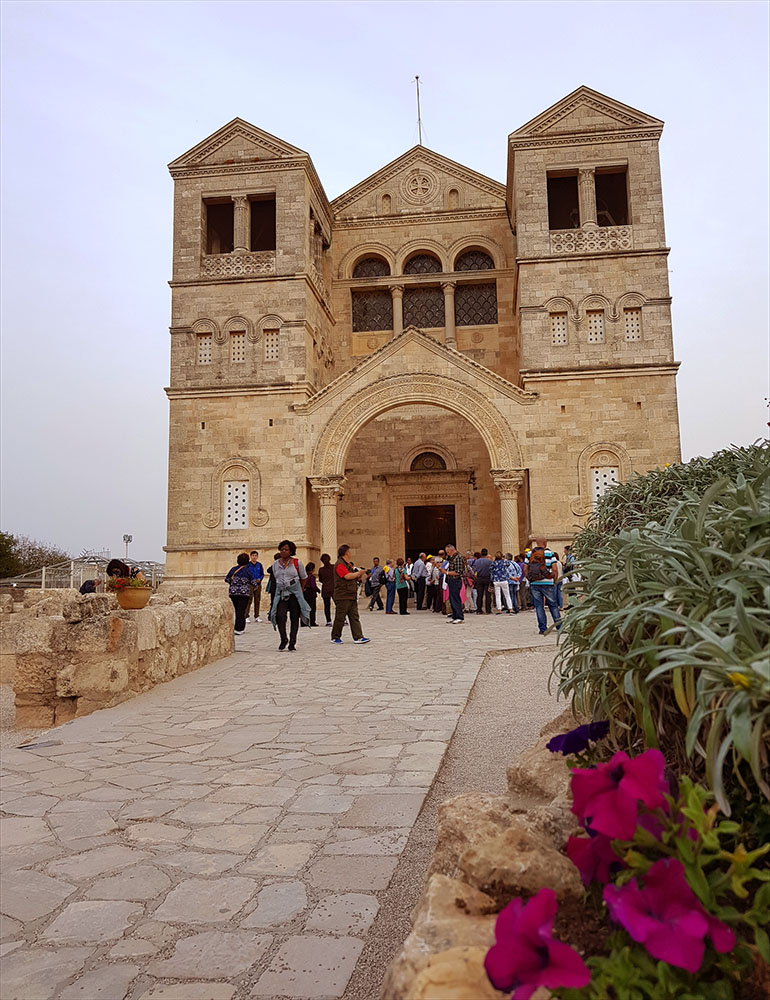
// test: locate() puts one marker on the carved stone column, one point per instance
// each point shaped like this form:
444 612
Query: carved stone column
449 313
508 483
329 490
241 224
397 294
587 194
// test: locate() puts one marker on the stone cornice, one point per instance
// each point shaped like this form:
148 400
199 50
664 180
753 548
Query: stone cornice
254 279
263 389
584 138
438 277
420 218
414 155
596 255
373 360
582 97
625 371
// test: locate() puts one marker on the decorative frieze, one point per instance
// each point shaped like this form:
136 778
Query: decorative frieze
238 265
592 240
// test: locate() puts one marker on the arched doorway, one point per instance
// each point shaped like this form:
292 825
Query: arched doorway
442 394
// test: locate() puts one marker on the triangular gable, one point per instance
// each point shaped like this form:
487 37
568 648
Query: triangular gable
420 157
239 140
433 354
586 111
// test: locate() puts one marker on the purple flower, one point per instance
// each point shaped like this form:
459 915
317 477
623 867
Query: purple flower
608 795
593 857
666 916
525 954
577 740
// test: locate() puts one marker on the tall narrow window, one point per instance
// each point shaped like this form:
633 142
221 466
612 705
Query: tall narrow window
602 478
236 504
611 197
203 342
595 319
272 345
238 346
219 226
476 305
633 323
263 224
559 328
563 206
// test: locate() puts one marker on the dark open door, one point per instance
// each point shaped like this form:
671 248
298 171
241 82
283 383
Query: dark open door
428 529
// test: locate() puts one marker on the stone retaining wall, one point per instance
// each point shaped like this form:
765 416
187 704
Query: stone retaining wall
489 849
67 655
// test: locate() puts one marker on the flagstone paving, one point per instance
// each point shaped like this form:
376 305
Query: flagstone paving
227 836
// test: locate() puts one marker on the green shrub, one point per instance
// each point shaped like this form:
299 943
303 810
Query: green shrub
668 638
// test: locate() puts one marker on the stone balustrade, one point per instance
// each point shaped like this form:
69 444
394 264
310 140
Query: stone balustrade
67 655
592 239
239 265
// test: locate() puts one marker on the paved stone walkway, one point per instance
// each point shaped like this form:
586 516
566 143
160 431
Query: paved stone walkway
226 836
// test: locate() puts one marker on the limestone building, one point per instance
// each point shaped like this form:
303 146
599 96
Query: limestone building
432 355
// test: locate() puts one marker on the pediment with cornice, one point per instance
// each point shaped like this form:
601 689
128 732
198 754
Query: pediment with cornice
419 181
237 142
412 353
582 112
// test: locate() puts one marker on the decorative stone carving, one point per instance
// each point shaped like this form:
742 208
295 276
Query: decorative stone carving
419 186
600 453
423 387
328 488
257 515
508 482
592 240
237 265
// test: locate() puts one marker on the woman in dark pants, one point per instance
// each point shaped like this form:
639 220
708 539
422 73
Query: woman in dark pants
402 586
289 576
311 592
239 579
326 577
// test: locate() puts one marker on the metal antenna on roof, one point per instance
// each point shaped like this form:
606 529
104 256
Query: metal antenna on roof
419 119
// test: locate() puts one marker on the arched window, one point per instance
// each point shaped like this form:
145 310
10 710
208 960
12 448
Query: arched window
474 260
428 461
423 263
476 305
371 267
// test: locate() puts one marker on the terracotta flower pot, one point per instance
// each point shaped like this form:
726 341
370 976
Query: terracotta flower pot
133 598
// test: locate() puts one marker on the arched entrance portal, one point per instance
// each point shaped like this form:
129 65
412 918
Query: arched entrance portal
418 393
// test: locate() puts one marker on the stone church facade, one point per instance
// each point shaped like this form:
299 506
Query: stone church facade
431 356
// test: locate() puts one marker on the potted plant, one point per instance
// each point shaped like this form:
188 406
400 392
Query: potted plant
132 592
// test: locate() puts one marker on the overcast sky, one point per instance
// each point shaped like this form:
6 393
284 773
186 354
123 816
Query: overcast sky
99 97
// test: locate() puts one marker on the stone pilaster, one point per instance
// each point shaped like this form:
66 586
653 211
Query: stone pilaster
397 294
329 491
450 335
241 224
508 483
587 195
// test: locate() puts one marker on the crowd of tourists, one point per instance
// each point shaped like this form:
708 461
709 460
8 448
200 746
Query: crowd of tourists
447 583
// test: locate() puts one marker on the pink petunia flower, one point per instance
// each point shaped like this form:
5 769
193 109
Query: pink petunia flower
666 916
593 857
525 954
607 795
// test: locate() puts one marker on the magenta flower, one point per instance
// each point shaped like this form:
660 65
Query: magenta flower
666 916
607 795
525 954
593 857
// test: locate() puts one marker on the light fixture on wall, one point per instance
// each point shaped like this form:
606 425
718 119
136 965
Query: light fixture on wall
472 479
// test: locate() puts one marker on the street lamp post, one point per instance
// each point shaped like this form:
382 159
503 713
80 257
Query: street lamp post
128 539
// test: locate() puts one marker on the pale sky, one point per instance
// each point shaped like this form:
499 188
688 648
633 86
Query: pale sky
99 97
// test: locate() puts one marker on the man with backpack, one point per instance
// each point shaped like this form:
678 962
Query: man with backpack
542 575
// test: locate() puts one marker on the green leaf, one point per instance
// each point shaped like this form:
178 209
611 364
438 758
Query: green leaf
762 942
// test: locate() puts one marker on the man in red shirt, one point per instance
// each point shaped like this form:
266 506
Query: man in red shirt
346 577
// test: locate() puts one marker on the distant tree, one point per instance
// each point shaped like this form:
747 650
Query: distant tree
19 554
10 564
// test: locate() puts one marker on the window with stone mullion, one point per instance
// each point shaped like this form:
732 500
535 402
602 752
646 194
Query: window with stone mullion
372 310
423 307
476 305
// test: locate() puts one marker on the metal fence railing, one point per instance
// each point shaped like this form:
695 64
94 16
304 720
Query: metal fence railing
75 572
